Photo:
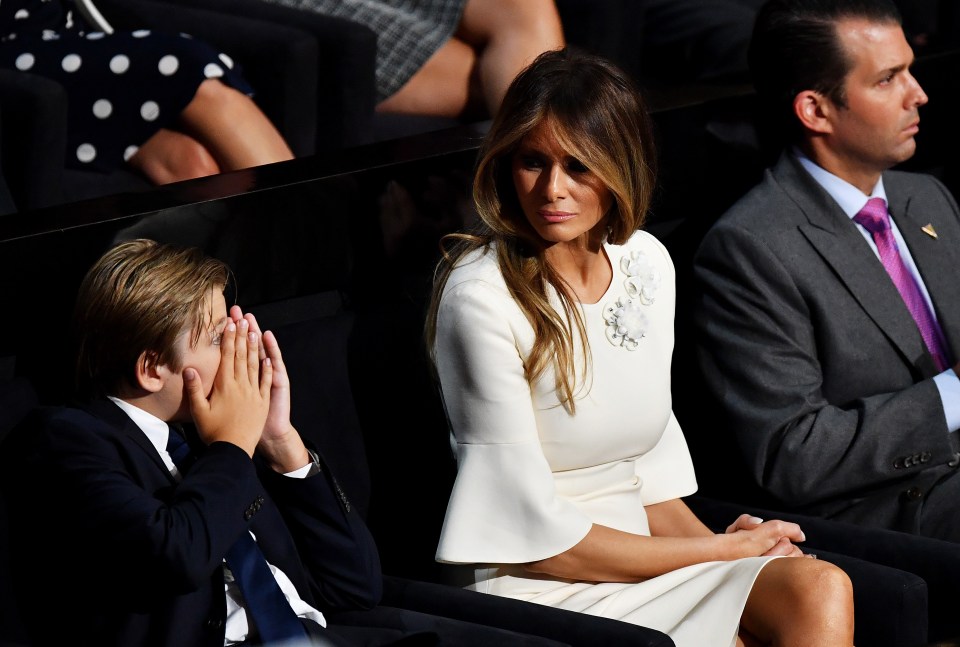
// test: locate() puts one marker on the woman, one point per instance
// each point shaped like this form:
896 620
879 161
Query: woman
551 331
170 106
448 58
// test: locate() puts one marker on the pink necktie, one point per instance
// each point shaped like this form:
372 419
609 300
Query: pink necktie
875 219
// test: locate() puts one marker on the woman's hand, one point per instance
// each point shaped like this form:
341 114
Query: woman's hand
776 538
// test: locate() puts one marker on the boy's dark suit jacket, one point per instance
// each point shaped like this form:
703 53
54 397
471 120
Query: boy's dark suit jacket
110 550
815 359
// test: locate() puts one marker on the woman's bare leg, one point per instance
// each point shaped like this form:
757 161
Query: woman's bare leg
171 156
797 602
441 87
509 34
231 126
494 41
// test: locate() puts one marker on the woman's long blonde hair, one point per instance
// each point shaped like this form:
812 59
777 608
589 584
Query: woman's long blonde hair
599 117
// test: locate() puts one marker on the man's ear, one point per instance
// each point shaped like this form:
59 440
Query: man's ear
150 374
814 111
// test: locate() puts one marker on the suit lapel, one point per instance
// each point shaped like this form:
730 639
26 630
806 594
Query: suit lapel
838 241
113 415
936 259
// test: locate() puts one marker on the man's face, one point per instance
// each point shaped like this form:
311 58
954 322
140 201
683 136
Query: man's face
876 129
204 357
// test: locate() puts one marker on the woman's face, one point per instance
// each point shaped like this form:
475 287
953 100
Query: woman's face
561 199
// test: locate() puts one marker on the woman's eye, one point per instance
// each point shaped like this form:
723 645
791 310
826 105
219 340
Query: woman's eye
530 161
576 166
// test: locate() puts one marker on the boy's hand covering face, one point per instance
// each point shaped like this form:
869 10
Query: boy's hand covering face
280 443
278 420
239 401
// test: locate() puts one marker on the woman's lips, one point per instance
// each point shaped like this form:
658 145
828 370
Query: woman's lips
556 216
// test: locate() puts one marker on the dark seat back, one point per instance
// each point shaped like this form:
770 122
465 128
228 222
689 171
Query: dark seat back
314 335
17 399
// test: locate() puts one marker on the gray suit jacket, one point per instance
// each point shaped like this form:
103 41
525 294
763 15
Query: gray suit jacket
814 358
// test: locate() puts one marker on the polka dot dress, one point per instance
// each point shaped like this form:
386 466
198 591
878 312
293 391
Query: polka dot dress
122 87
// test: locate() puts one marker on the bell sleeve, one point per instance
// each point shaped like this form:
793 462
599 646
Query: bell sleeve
504 506
667 469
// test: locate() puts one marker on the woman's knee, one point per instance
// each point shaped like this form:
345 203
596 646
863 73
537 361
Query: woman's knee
194 160
822 584
798 596
802 580
828 600
171 156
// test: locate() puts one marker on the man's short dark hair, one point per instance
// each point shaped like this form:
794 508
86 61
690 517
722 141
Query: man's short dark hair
796 47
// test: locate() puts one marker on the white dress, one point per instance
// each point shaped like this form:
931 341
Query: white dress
531 479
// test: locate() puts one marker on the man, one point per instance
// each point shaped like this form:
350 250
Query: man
126 533
842 404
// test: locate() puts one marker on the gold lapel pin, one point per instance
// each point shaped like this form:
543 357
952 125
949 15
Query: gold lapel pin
929 230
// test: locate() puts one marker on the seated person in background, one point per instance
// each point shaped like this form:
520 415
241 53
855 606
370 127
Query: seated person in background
551 330
127 533
170 106
827 308
448 58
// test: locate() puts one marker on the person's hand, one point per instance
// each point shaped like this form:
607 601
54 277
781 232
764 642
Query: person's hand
767 539
744 522
239 401
278 420
785 548
280 443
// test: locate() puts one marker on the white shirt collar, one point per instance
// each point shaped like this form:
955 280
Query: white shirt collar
155 429
849 197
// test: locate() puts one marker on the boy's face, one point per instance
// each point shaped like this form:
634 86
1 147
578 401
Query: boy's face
204 357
